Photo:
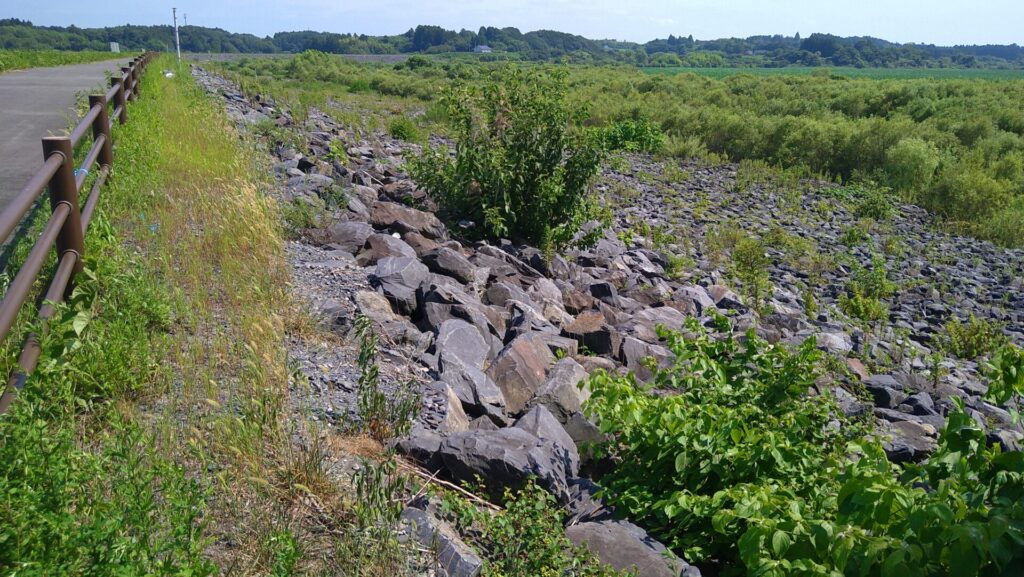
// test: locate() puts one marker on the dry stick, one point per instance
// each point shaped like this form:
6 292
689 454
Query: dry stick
431 479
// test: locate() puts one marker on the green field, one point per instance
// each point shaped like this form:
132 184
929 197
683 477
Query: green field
879 73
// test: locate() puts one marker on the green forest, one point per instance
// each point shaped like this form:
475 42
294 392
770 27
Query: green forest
509 43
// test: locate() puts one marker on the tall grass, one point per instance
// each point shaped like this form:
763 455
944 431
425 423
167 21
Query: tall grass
158 435
18 59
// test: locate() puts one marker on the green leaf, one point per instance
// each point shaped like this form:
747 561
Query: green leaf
780 543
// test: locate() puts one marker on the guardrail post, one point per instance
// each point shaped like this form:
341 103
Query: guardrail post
127 75
102 126
63 189
119 99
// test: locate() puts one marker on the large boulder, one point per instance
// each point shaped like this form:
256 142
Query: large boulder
348 236
447 415
592 331
380 246
399 278
644 324
448 262
403 219
504 458
634 351
442 302
624 546
520 369
459 339
561 393
479 394
540 423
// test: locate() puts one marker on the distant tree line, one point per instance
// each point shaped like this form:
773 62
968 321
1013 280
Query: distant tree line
755 51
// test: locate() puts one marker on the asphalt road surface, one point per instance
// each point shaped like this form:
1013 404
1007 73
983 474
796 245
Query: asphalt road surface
35 103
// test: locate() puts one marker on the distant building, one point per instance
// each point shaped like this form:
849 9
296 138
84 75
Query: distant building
482 49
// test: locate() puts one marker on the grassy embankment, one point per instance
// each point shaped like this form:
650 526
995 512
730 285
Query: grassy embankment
19 59
157 436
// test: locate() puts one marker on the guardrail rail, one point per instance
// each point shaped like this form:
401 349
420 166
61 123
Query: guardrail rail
68 221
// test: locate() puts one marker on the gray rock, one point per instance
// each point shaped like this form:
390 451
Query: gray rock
399 278
453 557
380 246
540 423
520 369
459 339
634 351
561 393
448 262
624 546
506 458
592 331
453 418
403 219
349 236
423 446
479 394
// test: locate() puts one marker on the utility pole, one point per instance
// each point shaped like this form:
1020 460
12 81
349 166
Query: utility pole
177 41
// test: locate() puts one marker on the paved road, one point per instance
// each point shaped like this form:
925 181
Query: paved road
33 104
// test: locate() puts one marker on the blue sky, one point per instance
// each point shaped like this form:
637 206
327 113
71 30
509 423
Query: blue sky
929 21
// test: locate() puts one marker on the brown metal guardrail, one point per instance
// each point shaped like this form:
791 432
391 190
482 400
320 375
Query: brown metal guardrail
68 222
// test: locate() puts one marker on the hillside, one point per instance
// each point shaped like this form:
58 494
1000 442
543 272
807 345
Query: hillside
755 51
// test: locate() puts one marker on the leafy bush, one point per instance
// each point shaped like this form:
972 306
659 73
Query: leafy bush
525 538
403 128
742 468
1006 378
974 338
911 164
522 165
863 293
874 203
737 429
633 135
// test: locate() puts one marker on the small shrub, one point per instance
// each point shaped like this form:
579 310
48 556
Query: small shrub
1005 372
403 128
866 308
874 203
633 135
974 338
750 265
383 416
854 235
522 166
525 538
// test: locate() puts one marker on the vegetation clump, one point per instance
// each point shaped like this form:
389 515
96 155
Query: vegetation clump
523 164
974 338
742 470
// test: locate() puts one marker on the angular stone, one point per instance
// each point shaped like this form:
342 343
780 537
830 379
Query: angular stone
883 389
698 298
453 557
404 219
479 394
419 243
504 459
457 338
540 423
349 236
380 246
453 418
634 351
624 546
519 370
725 298
500 293
592 332
561 393
448 262
399 278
